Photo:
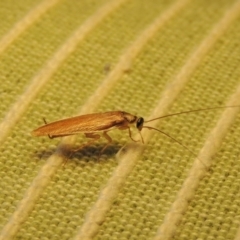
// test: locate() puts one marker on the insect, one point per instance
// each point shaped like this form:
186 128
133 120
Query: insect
92 125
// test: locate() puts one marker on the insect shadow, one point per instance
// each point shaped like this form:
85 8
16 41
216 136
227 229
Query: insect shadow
87 153
92 151
43 154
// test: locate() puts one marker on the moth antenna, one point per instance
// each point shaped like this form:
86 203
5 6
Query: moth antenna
190 111
175 140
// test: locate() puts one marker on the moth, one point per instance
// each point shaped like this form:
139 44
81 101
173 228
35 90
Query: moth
95 125
92 125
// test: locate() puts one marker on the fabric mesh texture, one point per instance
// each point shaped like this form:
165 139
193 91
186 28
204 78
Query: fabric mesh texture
62 58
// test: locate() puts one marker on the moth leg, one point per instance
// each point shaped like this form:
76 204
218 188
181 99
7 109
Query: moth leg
51 137
130 135
109 139
94 137
129 132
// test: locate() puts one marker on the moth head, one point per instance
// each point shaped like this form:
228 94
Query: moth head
139 123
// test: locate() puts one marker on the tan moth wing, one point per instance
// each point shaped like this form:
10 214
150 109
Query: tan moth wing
95 122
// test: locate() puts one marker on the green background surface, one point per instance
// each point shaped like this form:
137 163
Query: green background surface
158 190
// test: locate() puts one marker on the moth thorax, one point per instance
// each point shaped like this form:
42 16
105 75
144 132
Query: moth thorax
129 117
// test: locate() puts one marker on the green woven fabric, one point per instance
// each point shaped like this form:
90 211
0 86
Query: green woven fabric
61 58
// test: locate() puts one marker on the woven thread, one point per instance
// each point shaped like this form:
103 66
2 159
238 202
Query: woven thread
150 58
